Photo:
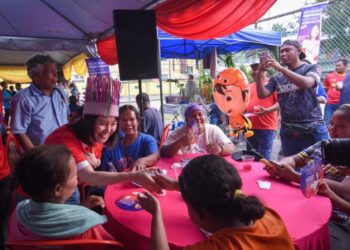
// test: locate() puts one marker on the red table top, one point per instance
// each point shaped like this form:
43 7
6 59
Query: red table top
306 219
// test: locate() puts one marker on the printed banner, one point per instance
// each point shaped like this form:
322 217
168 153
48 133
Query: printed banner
309 34
97 67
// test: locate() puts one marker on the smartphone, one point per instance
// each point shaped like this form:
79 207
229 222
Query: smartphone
265 56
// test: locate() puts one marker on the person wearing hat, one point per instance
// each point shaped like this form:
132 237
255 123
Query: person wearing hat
196 136
296 85
41 108
97 128
264 121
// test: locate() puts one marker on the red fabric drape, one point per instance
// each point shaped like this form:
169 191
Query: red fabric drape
195 19
107 49
206 19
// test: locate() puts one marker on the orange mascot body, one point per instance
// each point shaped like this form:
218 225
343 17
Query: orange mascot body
231 94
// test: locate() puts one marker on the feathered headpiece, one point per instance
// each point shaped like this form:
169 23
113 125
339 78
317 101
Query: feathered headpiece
102 96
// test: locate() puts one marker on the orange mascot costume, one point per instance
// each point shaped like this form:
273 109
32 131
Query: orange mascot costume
231 94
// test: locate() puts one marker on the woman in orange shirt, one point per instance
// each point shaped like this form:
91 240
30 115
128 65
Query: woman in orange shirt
211 186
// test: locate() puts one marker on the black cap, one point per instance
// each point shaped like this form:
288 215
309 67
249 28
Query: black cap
255 64
297 45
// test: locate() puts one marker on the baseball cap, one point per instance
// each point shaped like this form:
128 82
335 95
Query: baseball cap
297 45
254 64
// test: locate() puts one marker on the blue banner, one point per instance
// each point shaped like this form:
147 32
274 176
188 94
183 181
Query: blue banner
97 67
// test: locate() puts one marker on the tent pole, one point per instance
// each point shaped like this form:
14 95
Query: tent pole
141 106
161 99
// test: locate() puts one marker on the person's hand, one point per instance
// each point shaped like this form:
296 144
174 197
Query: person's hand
214 149
148 202
187 140
272 63
91 158
166 182
145 180
259 110
324 189
93 201
339 86
288 173
272 169
139 164
283 169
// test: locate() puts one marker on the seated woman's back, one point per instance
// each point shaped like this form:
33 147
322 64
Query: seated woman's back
48 174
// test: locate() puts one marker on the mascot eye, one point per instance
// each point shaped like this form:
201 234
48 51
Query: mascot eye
218 88
225 80
228 99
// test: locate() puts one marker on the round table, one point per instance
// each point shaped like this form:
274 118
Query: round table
306 219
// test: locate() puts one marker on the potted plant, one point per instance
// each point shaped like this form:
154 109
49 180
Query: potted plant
205 85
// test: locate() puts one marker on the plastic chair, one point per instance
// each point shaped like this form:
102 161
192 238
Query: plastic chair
66 245
164 135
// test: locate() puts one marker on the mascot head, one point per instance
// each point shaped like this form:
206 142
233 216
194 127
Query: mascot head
231 91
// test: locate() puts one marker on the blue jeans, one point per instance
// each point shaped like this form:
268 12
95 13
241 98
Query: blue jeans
262 141
328 112
293 141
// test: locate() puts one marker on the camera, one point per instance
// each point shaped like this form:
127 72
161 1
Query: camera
335 152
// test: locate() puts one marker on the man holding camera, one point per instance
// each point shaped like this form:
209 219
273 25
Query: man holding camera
336 184
301 118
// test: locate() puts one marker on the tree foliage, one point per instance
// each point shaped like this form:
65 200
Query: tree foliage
336 27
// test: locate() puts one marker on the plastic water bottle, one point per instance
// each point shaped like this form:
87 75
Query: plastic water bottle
194 129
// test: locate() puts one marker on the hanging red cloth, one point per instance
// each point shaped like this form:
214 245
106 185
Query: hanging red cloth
193 19
197 20
107 49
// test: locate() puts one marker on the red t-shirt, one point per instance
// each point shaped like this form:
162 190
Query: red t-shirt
66 136
330 83
5 168
267 121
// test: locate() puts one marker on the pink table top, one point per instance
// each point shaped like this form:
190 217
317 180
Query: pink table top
306 219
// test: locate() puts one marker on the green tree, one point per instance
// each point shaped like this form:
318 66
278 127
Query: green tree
287 29
280 28
336 27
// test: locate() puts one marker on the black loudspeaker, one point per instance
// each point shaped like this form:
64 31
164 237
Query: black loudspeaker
137 44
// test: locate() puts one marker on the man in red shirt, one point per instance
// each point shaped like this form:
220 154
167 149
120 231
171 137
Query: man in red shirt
264 118
333 84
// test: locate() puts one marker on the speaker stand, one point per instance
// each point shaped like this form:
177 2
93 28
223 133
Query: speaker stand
141 106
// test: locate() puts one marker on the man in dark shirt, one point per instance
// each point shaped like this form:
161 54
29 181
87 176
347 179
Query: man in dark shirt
153 124
301 118
345 91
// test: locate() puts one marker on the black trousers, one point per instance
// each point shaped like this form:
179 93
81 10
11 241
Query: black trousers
7 185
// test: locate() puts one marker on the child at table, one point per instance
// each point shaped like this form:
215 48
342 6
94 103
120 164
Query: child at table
49 175
211 188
